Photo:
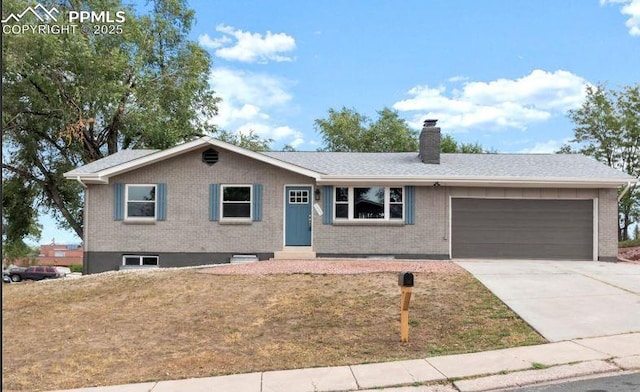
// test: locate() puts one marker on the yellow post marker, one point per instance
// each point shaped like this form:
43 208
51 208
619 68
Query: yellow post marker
405 281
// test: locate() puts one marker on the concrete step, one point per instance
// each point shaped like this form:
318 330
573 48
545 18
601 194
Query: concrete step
239 259
295 253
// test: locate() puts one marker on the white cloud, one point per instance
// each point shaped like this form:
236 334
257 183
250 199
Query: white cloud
458 78
501 103
248 99
247 47
548 147
632 9
248 87
215 43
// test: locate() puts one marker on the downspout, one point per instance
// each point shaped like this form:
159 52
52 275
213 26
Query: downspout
81 183
624 191
85 247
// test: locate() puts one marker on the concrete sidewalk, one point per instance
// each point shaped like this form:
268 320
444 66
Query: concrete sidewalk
481 371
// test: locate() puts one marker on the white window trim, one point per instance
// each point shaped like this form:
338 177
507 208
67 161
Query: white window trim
140 257
222 202
140 218
302 196
387 204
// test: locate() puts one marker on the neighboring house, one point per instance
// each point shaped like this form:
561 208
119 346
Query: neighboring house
60 255
203 201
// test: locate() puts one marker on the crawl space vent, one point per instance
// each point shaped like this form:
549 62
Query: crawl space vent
210 156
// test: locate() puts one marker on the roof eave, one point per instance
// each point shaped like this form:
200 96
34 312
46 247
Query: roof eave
266 159
87 178
477 181
102 176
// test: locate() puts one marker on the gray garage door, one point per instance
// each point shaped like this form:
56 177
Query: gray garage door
522 229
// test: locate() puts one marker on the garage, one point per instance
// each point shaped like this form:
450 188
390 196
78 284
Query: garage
522 229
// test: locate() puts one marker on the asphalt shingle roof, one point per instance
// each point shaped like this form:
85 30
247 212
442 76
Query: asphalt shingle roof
398 164
451 165
116 159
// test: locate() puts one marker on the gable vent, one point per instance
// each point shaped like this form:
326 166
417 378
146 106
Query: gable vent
210 156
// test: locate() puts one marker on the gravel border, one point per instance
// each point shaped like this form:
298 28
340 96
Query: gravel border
331 266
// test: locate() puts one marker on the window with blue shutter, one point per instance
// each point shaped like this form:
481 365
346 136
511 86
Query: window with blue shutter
257 202
118 201
409 214
162 201
327 204
141 202
214 202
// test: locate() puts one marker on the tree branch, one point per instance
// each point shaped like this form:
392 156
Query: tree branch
50 189
23 173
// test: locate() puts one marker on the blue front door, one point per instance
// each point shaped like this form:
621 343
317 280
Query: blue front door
297 216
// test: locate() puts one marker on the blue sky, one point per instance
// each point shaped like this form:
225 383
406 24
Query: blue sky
500 73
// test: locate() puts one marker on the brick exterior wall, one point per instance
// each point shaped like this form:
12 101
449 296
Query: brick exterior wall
608 224
187 228
60 255
428 236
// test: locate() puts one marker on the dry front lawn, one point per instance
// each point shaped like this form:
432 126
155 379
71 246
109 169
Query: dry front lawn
171 324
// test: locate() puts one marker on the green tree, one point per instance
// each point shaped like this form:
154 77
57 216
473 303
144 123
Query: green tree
250 141
449 145
288 148
18 222
607 127
70 99
347 130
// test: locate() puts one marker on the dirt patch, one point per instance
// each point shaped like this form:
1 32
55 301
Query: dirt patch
631 253
120 328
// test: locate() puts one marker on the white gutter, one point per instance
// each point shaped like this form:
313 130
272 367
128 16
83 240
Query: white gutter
85 246
471 181
624 191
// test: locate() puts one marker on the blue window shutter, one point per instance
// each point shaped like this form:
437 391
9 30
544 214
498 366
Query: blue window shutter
409 205
327 204
257 202
214 202
161 200
118 201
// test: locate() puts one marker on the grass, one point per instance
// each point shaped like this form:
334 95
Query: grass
629 243
538 365
159 325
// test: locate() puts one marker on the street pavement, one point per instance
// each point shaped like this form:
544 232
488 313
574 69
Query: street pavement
620 383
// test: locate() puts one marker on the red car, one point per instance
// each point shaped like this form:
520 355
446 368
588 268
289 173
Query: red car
34 273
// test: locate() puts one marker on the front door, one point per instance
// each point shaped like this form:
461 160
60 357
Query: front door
297 216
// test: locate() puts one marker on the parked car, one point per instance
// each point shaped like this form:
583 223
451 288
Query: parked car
64 270
6 274
34 273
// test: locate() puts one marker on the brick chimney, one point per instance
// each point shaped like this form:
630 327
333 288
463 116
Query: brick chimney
430 142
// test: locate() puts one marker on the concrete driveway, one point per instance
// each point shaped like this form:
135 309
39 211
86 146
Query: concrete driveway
565 300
